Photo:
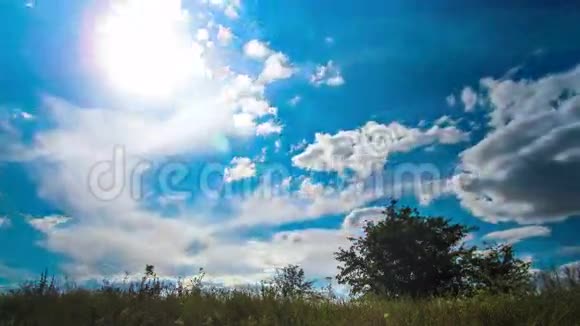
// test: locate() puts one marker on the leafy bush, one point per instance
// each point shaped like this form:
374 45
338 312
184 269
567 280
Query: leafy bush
407 254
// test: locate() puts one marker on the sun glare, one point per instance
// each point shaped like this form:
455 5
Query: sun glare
144 48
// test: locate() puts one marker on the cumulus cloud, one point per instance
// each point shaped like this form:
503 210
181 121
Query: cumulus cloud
257 50
518 234
276 67
242 168
267 128
469 98
526 168
367 149
329 75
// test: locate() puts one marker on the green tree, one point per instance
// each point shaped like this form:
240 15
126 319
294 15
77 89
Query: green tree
498 270
406 254
290 281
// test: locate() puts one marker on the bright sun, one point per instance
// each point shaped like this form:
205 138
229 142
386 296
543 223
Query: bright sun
144 48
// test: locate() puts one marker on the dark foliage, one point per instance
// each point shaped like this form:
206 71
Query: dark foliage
497 270
406 254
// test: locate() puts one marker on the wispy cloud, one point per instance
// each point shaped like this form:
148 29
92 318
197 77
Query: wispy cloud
519 234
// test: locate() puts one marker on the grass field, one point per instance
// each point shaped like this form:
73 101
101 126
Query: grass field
153 303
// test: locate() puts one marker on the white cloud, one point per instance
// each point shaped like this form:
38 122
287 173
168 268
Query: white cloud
451 100
202 35
276 67
569 250
256 107
48 223
182 129
247 96
526 167
366 149
230 8
329 40
127 243
518 234
445 121
4 222
244 123
267 128
14 275
231 11
224 35
358 217
242 168
294 101
274 205
19 114
575 265
122 233
469 98
312 249
335 81
257 50
243 86
328 75
298 147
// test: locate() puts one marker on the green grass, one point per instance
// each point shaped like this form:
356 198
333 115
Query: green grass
168 305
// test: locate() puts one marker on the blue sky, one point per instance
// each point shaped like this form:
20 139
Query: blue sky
241 136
